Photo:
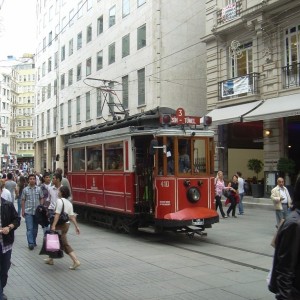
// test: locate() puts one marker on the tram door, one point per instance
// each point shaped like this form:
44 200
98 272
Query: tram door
143 175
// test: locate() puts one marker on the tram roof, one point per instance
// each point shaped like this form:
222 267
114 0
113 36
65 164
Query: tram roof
139 124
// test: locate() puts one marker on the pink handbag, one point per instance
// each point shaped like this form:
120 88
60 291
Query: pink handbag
52 242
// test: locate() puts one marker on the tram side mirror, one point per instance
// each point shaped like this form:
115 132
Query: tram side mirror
153 145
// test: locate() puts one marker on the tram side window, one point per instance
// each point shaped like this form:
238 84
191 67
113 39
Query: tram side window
94 158
114 156
199 156
78 159
160 156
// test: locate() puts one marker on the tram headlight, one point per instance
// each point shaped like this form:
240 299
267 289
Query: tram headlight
193 194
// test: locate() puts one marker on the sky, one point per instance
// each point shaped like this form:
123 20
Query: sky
17 27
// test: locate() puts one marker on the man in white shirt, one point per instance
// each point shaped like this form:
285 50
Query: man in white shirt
5 194
241 183
53 190
281 199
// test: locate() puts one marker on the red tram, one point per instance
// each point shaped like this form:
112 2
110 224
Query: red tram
150 170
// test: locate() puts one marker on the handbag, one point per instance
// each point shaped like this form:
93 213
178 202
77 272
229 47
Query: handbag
226 193
52 254
52 242
63 217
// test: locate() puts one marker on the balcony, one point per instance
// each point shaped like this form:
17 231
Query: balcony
239 86
229 12
291 75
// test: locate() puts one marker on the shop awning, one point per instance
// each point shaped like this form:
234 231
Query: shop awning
232 114
274 108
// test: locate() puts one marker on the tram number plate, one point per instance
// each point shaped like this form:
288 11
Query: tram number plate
198 222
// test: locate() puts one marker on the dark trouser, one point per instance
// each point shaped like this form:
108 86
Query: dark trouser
232 205
219 205
4 267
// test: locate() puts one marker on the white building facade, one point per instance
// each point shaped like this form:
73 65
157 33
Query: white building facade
148 52
253 94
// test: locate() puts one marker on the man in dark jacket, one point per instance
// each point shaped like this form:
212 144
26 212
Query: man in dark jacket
285 278
9 222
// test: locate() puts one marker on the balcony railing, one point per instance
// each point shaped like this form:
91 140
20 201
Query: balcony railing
229 12
239 86
291 75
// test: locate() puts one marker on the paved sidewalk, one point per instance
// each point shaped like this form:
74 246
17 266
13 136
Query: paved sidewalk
123 267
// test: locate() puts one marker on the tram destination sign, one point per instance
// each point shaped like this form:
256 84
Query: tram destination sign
181 118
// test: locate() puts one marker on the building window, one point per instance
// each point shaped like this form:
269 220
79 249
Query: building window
125 91
111 53
99 25
69 113
111 99
63 53
55 87
78 76
44 44
62 81
37 126
141 37
70 77
50 39
140 2
71 17
49 91
89 33
241 64
141 87
79 40
43 124
48 121
43 69
49 64
78 109
99 60
87 106
43 93
61 115
70 47
99 103
126 45
80 9
55 60
54 119
112 16
88 66
64 24
125 8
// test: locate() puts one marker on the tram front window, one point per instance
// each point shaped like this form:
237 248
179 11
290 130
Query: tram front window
184 157
199 156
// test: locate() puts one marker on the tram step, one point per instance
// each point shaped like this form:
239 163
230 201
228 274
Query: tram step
147 229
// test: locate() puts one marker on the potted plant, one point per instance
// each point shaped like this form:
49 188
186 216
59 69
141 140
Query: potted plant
286 166
256 165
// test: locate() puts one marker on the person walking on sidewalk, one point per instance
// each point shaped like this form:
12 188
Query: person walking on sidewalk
9 222
281 199
285 277
219 188
233 196
64 204
241 183
32 196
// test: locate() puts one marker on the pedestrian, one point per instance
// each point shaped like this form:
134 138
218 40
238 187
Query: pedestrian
20 187
285 276
219 188
9 222
45 185
241 183
5 193
233 195
32 197
281 200
64 204
64 181
11 185
53 191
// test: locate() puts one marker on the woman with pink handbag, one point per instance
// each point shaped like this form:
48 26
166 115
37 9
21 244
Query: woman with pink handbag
64 205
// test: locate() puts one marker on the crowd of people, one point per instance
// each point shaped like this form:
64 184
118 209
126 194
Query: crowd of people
53 193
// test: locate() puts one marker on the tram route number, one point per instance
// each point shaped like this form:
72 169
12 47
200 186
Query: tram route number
165 183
